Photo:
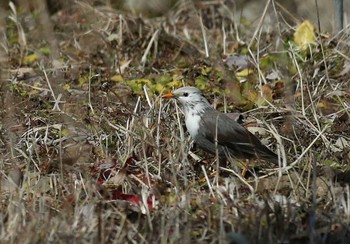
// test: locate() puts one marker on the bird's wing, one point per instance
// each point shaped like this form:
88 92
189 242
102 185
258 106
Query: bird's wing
234 136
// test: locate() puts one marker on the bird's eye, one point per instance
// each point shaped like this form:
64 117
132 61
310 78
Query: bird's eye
185 94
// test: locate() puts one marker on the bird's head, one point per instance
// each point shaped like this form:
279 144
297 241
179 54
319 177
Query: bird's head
190 98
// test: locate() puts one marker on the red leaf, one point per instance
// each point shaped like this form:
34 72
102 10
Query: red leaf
131 198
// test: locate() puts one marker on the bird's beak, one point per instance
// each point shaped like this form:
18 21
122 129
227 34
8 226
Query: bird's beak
168 95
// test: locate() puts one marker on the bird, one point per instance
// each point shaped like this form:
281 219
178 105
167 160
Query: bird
215 132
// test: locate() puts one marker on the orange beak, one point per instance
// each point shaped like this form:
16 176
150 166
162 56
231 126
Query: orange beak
168 95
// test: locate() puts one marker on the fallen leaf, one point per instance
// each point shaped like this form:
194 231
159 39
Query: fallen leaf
342 143
266 95
123 65
31 58
305 35
23 73
272 76
118 178
133 199
257 130
278 89
117 78
241 75
57 64
238 62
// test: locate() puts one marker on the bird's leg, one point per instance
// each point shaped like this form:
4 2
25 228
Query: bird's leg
245 167
214 170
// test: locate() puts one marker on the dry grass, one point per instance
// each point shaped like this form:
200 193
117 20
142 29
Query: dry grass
88 157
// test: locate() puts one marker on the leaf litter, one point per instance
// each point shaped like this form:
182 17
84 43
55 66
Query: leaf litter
86 136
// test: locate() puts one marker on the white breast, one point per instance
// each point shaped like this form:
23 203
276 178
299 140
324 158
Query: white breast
192 123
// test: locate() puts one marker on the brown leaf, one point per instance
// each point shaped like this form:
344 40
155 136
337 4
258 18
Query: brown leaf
118 177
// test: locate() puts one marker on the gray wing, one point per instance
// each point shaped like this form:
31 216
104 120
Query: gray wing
231 137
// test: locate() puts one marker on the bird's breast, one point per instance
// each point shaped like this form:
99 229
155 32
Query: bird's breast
192 123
